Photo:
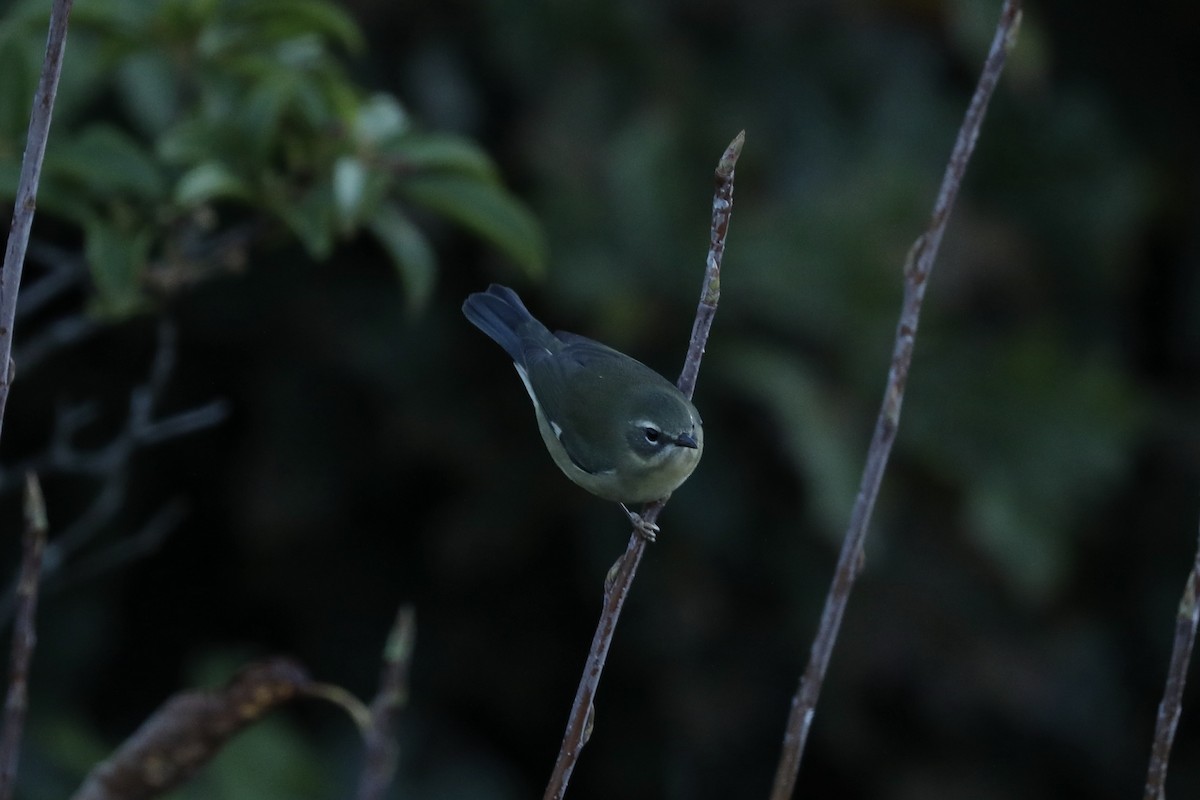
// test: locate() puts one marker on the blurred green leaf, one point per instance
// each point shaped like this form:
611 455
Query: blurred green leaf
301 53
379 118
118 15
807 421
260 118
418 152
1029 546
149 90
349 189
409 250
188 142
488 210
210 181
117 260
285 19
188 14
107 162
20 59
308 214
1030 431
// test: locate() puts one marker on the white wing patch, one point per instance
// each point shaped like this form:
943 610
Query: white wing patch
525 380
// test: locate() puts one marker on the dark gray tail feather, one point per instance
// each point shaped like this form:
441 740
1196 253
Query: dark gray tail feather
500 314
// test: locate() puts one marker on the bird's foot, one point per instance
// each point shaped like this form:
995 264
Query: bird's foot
644 529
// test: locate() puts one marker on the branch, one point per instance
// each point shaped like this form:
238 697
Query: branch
24 634
192 727
109 465
105 505
56 336
64 271
141 543
1186 620
26 200
620 577
379 767
189 729
917 268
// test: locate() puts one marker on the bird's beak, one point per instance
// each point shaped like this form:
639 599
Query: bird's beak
686 440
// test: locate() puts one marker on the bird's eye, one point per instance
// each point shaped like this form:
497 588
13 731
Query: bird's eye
652 435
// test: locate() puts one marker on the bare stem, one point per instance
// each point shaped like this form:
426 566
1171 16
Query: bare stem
26 201
379 767
620 577
190 729
24 634
917 268
1186 620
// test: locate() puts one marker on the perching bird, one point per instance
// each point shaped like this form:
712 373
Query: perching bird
613 425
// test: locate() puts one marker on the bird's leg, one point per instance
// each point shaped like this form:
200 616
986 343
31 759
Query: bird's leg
647 530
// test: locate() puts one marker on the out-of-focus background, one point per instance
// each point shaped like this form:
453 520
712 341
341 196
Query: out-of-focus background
285 204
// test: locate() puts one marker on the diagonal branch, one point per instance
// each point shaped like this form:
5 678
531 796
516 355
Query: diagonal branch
620 577
1186 620
26 201
916 277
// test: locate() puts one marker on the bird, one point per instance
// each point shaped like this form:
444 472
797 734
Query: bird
612 425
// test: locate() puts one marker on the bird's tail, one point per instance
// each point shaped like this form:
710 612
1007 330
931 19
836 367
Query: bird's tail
500 314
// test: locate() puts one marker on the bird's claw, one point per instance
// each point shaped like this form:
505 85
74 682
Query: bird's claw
644 529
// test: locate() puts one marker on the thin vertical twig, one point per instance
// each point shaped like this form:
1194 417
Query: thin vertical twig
1186 619
917 268
26 200
379 766
24 634
620 577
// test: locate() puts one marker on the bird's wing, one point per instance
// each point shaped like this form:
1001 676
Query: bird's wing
567 384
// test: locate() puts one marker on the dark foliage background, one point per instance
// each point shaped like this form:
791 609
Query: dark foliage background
1010 634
